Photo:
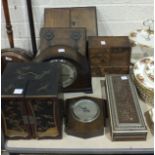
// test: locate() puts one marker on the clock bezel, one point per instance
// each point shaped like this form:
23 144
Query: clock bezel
81 102
71 65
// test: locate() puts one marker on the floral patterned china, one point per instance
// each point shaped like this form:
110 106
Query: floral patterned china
144 78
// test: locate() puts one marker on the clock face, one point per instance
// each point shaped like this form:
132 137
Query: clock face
69 72
85 110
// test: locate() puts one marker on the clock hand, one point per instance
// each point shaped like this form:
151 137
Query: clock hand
84 109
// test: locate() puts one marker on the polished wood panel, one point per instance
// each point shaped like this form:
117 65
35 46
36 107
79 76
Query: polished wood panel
72 37
72 17
109 55
57 17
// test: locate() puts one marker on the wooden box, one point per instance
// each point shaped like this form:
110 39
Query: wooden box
72 17
109 55
126 118
37 87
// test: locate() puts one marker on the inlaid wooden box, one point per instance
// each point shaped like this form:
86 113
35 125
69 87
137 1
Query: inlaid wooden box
72 17
109 55
125 115
32 101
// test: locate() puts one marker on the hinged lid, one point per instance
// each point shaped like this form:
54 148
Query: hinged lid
41 79
124 108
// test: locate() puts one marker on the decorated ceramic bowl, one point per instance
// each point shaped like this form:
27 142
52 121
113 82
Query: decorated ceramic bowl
144 78
142 38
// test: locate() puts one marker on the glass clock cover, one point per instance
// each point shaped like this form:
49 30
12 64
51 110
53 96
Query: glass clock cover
69 72
85 110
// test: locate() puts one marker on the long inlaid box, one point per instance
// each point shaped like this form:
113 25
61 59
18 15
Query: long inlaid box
126 118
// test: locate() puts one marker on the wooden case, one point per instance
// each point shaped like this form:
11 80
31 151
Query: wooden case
67 46
45 101
14 55
109 55
72 17
14 115
78 128
68 37
41 101
126 118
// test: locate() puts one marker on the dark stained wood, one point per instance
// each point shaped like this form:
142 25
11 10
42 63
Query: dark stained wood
109 55
73 43
53 52
83 80
84 130
14 55
72 37
8 22
40 99
72 17
85 17
14 121
57 17
126 118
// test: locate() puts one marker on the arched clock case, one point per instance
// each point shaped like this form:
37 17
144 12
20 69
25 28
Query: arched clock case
75 69
70 54
14 55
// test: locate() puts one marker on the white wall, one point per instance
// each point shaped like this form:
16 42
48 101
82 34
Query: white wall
115 17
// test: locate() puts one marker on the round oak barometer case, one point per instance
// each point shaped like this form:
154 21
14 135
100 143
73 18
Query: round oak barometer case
69 71
85 110
84 117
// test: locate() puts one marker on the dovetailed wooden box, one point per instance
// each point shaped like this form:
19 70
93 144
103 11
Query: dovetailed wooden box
109 55
125 115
